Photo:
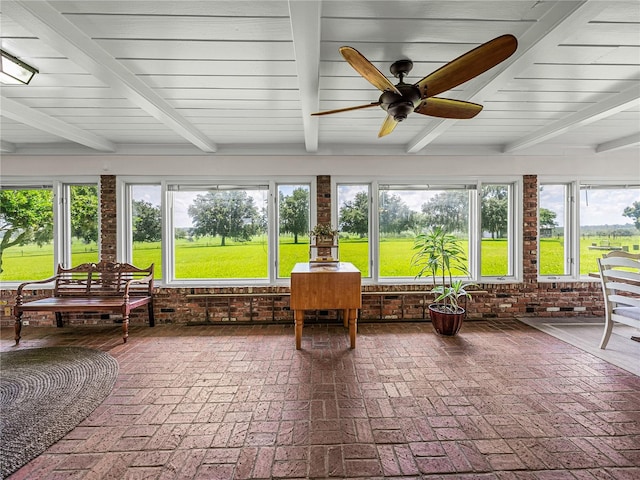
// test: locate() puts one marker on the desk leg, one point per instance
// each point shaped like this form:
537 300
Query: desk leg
353 326
299 319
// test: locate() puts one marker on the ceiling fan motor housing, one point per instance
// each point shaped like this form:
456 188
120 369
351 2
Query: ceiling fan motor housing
399 106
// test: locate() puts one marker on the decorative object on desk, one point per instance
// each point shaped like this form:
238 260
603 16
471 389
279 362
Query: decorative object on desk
44 394
438 254
323 245
325 235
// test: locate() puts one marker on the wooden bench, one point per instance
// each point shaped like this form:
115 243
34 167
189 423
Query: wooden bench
620 279
92 287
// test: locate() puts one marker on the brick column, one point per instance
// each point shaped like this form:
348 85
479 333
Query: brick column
323 185
530 231
108 224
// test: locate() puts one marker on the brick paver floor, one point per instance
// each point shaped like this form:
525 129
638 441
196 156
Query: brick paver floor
499 401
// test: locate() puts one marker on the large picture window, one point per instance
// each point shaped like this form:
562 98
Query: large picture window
406 210
219 231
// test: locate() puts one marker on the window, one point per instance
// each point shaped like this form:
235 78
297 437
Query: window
496 245
219 231
42 225
293 227
26 233
353 224
146 227
405 210
83 213
554 228
609 220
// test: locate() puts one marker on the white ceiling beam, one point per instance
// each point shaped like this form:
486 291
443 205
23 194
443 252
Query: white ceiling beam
305 28
32 117
615 104
45 22
7 147
624 142
560 21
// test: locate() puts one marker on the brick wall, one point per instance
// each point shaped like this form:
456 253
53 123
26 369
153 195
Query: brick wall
379 302
108 223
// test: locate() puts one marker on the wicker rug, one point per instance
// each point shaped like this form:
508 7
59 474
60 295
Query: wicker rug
45 393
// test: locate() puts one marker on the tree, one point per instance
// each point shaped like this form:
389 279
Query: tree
448 209
495 210
395 215
294 213
26 216
147 222
547 218
84 212
354 215
225 213
633 212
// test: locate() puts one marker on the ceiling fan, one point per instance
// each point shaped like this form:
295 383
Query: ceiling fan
403 98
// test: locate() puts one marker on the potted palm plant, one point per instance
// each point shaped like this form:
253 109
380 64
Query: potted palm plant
438 254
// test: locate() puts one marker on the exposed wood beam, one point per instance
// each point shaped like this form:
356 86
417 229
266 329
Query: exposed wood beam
624 142
30 116
559 22
49 25
7 147
590 114
305 27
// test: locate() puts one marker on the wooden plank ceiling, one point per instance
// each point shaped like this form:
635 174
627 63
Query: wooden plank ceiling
243 76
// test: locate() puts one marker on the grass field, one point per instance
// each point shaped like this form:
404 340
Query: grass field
205 258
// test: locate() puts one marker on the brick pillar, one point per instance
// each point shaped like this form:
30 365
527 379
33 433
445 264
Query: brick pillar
530 231
108 224
323 185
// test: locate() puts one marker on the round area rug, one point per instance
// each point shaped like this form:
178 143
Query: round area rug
44 394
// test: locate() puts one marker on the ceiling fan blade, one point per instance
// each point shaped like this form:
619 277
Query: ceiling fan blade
388 126
368 71
448 108
468 66
339 110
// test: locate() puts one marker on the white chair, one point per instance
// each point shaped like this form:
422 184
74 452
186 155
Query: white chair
620 279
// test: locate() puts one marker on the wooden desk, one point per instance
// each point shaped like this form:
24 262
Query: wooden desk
326 287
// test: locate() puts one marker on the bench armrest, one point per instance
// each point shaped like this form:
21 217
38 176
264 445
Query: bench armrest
141 281
34 282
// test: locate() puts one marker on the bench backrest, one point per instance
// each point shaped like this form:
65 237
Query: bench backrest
102 279
620 276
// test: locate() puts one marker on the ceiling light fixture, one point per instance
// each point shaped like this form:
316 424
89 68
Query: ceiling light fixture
14 71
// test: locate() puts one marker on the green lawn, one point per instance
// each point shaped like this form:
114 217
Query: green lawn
205 258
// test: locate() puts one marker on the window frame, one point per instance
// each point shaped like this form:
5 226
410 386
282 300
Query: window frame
515 228
125 234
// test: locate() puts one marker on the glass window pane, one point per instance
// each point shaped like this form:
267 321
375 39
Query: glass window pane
495 244
83 206
146 227
552 243
353 223
609 220
405 213
26 234
293 227
220 233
